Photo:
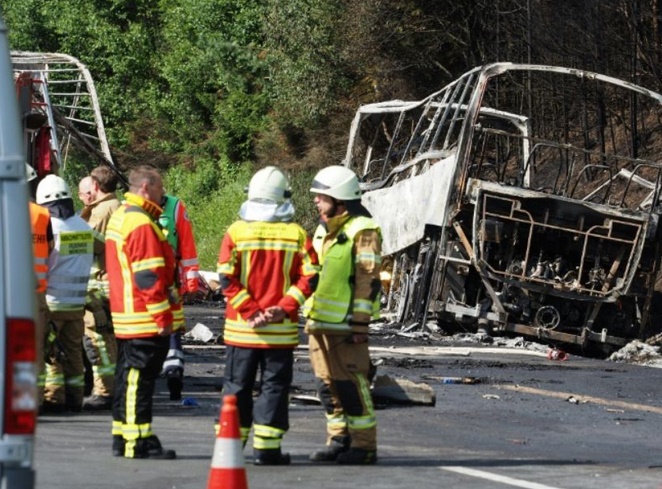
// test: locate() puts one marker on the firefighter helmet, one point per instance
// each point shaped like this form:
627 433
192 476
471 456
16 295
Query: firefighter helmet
30 174
269 184
52 188
338 182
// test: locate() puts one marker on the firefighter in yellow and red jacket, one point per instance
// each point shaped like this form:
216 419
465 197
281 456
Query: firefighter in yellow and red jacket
178 230
141 271
344 303
267 268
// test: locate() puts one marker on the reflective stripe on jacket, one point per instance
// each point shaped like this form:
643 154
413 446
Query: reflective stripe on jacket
69 264
350 270
40 218
265 264
141 270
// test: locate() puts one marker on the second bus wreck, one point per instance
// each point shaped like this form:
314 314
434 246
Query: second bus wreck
519 198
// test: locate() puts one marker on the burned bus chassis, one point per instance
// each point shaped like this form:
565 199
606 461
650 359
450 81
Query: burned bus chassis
542 224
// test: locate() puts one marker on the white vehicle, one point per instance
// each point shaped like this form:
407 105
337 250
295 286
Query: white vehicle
18 403
519 198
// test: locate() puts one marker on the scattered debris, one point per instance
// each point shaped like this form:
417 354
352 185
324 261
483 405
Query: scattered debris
199 332
306 399
490 396
209 287
574 400
640 353
556 354
402 391
190 402
403 362
655 339
452 380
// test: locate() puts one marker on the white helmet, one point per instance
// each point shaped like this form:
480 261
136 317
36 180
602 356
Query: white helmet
52 188
30 173
269 184
338 182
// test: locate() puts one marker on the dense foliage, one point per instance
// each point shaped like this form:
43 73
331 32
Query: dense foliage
209 89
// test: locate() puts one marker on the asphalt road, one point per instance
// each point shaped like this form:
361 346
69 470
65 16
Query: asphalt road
528 422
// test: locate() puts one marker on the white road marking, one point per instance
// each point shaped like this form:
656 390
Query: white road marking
582 399
497 478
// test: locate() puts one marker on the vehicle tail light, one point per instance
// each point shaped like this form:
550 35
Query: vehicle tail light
21 379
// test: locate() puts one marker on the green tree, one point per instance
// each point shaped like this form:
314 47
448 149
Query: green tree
305 66
212 74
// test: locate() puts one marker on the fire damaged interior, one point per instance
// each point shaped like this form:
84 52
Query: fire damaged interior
518 198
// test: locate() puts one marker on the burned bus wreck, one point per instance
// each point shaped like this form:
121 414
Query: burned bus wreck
60 111
519 198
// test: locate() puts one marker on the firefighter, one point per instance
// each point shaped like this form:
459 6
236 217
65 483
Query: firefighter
346 299
42 245
97 192
69 267
177 228
267 268
141 269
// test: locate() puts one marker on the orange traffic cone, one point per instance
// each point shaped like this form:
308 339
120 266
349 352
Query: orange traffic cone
227 463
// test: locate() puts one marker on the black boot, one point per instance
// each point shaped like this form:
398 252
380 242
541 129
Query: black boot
175 384
357 456
118 446
97 403
330 452
270 457
150 447
49 407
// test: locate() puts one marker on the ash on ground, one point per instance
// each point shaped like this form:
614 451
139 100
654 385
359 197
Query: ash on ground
639 353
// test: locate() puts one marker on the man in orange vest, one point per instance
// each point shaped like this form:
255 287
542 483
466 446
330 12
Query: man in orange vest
42 245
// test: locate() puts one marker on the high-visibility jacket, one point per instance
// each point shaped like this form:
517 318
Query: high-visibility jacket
97 215
141 271
318 242
40 218
347 295
177 228
265 264
69 264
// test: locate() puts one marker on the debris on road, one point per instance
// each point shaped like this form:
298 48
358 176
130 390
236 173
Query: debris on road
638 352
306 399
200 332
190 402
402 391
557 354
211 281
574 400
452 380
